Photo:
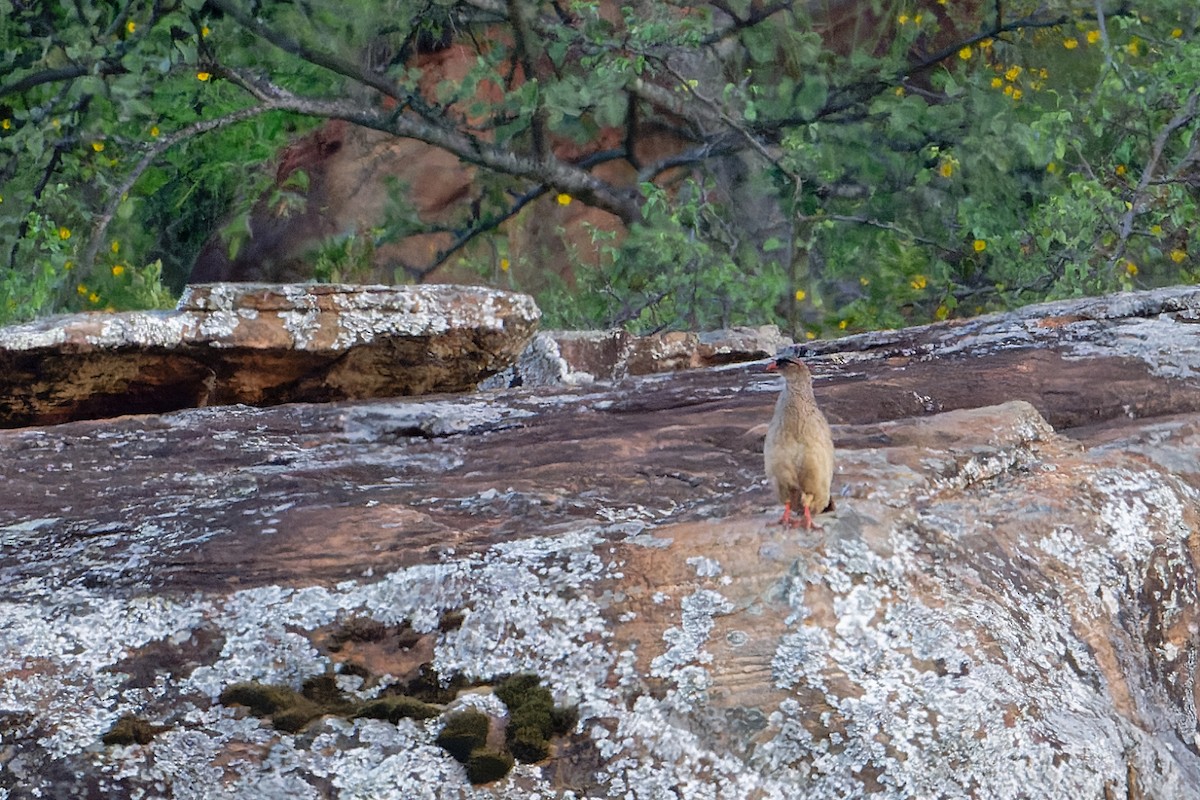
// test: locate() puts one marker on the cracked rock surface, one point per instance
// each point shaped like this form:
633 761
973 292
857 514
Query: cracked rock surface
1004 604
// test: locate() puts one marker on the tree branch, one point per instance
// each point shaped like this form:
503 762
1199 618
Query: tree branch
566 178
1186 114
100 226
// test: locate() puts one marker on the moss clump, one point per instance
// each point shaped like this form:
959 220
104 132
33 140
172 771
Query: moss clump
464 732
294 718
323 690
396 707
485 766
533 717
130 730
427 686
288 709
263 699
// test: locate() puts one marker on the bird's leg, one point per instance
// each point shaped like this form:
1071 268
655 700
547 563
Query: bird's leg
786 519
808 523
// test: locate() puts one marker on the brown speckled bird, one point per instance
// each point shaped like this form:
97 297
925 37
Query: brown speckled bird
798 453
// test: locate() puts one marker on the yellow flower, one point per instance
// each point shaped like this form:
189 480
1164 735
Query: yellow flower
997 83
1134 47
1120 169
1131 268
6 123
965 54
64 233
205 31
899 90
203 76
131 26
98 147
81 289
946 168
917 19
985 44
563 199
865 281
1178 255
918 282
1016 94
118 270
980 245
1156 230
1093 37
809 335
116 246
902 19
1008 89
1071 43
942 311
154 131
1043 73
1052 167
93 298
842 325
1176 33
1013 73
69 265
800 295
504 265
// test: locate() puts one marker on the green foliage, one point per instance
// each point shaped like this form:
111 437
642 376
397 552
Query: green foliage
926 165
671 270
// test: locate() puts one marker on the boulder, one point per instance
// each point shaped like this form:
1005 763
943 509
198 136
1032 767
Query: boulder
260 345
1004 604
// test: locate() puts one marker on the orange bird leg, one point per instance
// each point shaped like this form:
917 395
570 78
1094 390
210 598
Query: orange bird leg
786 519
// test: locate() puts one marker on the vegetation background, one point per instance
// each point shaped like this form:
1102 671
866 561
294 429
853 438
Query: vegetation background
835 166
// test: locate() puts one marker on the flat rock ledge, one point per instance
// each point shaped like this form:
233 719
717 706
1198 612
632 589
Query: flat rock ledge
260 345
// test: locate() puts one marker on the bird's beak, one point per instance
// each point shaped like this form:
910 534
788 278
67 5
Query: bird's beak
771 367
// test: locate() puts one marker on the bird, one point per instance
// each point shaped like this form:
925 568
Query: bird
798 452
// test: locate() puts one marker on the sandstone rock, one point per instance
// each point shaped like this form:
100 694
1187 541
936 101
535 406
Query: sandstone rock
261 345
1000 608
582 356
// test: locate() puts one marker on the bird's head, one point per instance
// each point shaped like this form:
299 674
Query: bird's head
789 367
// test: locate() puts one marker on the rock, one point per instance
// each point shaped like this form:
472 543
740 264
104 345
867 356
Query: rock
1005 603
260 345
582 356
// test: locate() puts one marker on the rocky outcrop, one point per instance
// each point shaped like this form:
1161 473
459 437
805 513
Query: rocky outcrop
260 345
1004 604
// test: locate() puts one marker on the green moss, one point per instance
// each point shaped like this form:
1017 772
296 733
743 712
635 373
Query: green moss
323 690
528 743
295 717
262 699
427 686
485 766
396 707
130 729
533 717
288 709
464 733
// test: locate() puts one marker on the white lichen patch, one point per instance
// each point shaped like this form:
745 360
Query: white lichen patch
302 326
